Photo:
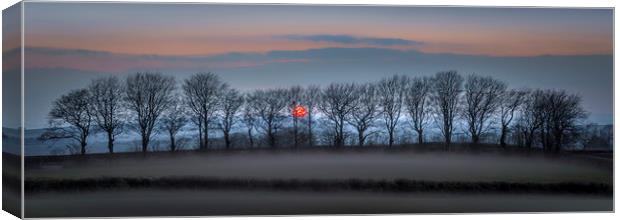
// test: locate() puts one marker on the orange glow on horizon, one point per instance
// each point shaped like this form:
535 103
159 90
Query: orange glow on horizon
471 40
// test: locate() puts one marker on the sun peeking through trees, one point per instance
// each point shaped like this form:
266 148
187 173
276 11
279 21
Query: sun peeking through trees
299 111
392 111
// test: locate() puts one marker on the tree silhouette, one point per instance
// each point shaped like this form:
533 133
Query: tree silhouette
197 120
416 101
482 98
294 96
312 97
365 112
531 117
546 118
72 109
337 102
106 102
249 118
391 95
510 102
173 119
562 113
203 91
231 102
148 95
269 106
446 94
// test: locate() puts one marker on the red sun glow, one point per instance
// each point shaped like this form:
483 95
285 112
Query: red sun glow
299 111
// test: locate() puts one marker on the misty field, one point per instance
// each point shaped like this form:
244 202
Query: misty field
319 164
256 182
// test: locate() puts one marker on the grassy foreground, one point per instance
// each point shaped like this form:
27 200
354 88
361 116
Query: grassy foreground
316 181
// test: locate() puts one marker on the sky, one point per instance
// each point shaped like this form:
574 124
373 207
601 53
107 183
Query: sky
204 29
266 46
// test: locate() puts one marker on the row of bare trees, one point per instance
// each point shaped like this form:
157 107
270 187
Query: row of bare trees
150 102
552 116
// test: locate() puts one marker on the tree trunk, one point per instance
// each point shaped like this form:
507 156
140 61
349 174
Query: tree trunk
272 138
447 130
200 143
172 144
83 147
340 141
295 133
250 138
420 137
206 137
360 137
110 142
543 139
145 143
83 139
227 140
391 139
502 138
448 138
475 138
558 142
310 139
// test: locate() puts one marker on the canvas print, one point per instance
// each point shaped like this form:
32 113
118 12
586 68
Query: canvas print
151 109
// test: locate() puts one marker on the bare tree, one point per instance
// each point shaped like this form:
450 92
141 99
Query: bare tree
562 114
510 102
231 102
532 118
269 106
196 120
249 118
482 99
417 100
203 91
148 95
173 119
337 102
106 102
72 109
295 96
391 93
446 93
365 112
312 96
